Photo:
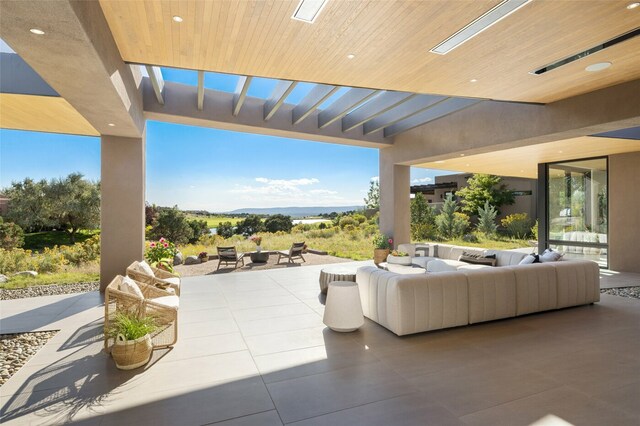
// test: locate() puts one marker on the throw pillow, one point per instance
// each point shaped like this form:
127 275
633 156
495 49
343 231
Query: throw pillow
550 256
529 259
478 259
128 285
145 268
422 250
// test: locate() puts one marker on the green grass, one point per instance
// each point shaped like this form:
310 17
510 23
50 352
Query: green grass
214 221
37 241
497 244
49 279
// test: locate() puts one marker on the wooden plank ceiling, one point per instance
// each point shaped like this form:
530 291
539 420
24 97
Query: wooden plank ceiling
390 41
42 114
523 162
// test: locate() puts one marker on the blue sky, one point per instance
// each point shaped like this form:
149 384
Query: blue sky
210 169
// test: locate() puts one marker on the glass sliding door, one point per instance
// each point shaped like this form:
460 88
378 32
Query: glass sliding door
577 209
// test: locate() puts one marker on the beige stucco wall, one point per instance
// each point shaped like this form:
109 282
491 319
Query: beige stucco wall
624 212
122 189
394 200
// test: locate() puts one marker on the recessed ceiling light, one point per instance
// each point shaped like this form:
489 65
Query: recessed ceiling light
560 152
308 10
112 125
37 31
501 11
633 5
473 80
521 171
467 165
439 161
461 155
351 56
598 67
177 18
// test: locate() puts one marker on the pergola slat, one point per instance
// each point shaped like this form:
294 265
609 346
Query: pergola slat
408 109
240 93
311 102
277 98
157 82
346 103
200 90
376 107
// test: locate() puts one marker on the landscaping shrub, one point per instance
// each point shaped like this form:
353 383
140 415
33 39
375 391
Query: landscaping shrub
487 220
360 218
172 224
198 228
278 222
534 230
451 223
322 225
11 235
252 224
517 225
470 238
225 229
347 221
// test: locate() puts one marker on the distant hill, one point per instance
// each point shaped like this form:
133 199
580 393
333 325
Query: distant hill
296 211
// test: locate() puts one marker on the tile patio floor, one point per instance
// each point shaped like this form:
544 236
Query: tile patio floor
253 351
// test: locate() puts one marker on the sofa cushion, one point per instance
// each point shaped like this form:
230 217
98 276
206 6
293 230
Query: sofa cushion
536 288
443 265
471 267
550 256
507 257
529 259
424 250
578 282
478 258
422 261
492 294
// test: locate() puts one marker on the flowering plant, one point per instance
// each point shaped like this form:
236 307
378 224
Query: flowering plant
381 241
203 254
160 254
399 253
256 239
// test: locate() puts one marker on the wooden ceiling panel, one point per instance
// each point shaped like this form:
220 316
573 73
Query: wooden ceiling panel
42 114
391 41
523 162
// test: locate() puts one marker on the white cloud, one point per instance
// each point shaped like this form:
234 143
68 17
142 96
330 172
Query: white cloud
322 191
375 179
422 180
290 182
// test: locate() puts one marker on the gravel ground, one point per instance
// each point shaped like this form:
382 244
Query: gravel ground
47 290
623 291
17 349
209 268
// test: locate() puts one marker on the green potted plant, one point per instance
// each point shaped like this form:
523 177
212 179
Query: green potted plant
382 244
132 347
160 254
399 258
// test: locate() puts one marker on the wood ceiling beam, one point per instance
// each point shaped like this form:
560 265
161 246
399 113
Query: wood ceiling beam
376 107
277 98
407 109
157 82
316 97
346 103
240 93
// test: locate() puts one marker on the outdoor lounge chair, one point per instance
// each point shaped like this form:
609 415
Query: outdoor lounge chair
295 252
160 277
155 302
229 255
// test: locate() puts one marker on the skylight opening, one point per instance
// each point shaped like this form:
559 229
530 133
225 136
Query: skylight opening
261 87
341 91
299 92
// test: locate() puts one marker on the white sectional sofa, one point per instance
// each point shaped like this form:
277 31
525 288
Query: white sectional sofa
410 303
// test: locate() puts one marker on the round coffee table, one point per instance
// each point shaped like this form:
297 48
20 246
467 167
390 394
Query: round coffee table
259 256
335 273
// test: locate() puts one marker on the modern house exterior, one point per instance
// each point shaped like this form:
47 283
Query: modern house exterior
523 189
541 90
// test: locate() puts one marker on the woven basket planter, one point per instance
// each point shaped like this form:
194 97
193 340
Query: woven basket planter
130 354
380 255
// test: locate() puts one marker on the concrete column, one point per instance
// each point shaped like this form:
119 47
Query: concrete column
395 200
624 212
122 189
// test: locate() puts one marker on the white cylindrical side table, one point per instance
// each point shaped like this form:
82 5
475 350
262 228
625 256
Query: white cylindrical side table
343 309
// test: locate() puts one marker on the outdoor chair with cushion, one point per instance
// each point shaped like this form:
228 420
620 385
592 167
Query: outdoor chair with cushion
144 273
125 295
229 255
295 252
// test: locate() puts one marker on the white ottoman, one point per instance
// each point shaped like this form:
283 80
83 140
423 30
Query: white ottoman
343 310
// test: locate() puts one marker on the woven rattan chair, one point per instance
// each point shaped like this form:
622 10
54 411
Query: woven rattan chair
295 252
160 304
161 277
229 255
